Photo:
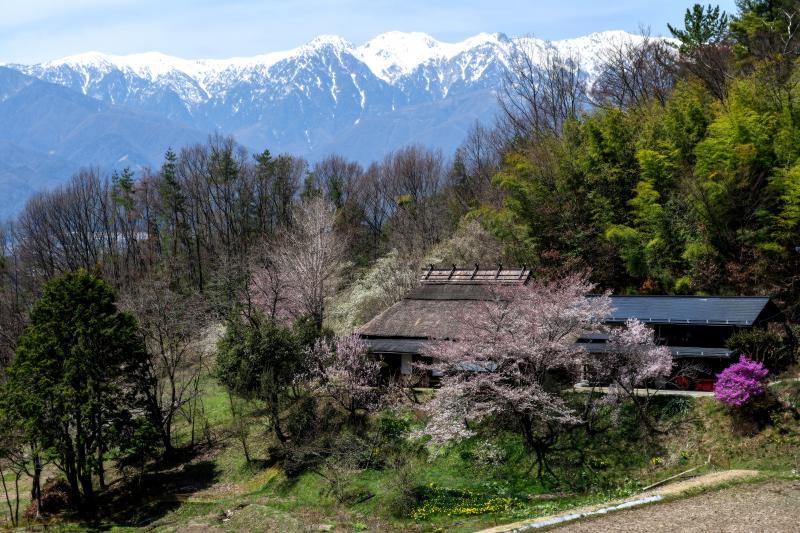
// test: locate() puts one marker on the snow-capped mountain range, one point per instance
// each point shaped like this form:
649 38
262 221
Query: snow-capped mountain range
325 96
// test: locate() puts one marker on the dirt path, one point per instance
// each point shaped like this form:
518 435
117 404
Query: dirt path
706 480
770 507
664 491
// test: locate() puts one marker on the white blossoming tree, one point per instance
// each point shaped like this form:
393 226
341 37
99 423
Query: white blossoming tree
513 357
634 366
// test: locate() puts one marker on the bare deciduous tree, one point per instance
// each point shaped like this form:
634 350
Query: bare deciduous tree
336 177
475 162
13 297
310 258
169 323
542 88
635 73
373 201
413 179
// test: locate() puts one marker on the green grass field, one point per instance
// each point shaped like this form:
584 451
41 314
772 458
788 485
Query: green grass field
457 490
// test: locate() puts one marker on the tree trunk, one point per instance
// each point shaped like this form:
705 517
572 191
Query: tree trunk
527 433
166 430
537 446
8 499
276 427
36 483
18 474
72 476
200 282
239 427
89 504
243 438
539 463
101 475
83 472
276 420
74 487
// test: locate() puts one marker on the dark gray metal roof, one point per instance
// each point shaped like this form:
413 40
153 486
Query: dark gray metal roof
711 310
388 345
678 352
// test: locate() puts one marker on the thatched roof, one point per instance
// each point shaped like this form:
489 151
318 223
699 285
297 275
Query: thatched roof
441 300
420 319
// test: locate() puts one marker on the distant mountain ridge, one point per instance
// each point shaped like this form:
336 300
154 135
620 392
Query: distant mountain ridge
324 96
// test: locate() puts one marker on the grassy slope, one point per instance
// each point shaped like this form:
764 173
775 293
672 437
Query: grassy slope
219 489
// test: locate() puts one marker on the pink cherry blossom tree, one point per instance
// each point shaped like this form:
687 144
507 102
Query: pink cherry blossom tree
513 357
634 366
348 374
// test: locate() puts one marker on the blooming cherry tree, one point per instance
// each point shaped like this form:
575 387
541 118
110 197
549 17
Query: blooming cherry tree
348 374
634 366
513 356
740 382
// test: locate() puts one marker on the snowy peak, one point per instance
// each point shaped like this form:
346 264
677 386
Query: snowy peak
394 54
148 65
389 56
322 41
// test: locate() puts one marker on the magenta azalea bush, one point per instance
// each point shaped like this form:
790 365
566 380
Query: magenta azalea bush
740 382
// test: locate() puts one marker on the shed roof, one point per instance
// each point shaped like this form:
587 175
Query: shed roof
695 310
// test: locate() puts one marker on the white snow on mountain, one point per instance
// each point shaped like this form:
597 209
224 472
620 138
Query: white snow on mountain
395 54
389 57
327 95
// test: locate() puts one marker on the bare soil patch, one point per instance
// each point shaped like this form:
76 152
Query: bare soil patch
770 506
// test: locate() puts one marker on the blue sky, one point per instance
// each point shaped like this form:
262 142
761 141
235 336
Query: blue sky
37 30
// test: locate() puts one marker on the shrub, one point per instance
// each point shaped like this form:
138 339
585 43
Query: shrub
403 493
763 346
55 498
740 382
389 439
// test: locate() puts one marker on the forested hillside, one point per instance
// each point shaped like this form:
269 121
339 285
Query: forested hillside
673 173
192 326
